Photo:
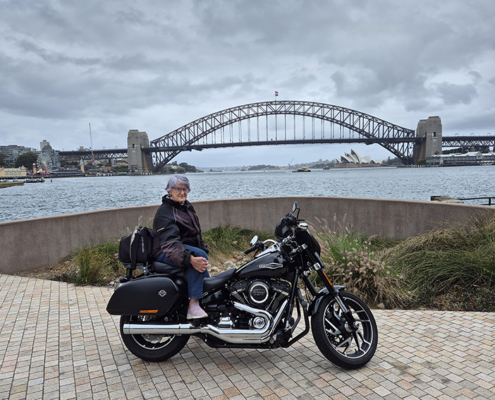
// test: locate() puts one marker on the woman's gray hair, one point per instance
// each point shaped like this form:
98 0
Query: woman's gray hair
175 179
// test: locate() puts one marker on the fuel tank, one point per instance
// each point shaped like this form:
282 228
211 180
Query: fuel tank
150 295
269 265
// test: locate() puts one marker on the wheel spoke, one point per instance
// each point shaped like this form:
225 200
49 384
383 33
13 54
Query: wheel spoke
358 332
150 341
336 331
356 339
346 343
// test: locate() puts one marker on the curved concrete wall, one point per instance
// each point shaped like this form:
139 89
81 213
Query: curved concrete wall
41 242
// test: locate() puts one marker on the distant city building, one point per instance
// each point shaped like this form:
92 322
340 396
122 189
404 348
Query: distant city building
471 158
44 144
117 162
11 173
48 159
12 152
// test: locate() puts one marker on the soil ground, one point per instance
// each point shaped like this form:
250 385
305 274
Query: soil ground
68 267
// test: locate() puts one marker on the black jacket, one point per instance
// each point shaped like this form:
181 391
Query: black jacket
174 226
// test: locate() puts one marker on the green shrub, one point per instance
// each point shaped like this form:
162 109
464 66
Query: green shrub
228 239
95 262
442 259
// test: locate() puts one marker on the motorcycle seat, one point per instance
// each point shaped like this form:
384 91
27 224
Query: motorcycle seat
167 269
218 280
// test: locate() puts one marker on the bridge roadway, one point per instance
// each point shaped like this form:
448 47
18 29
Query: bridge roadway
57 341
447 141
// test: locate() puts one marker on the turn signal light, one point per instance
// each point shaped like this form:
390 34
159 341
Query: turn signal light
328 279
148 311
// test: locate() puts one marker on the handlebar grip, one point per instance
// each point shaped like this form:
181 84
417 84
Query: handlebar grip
251 250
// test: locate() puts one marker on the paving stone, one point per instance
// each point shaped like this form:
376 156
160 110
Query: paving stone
58 342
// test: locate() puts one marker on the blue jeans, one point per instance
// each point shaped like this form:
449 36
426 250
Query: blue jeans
194 278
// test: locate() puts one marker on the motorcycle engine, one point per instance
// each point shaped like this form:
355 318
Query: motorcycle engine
263 294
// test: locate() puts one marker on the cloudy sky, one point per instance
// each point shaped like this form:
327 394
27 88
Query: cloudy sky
157 65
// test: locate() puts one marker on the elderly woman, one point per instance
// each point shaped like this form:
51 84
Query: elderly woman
178 240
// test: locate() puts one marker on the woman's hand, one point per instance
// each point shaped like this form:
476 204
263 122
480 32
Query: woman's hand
200 264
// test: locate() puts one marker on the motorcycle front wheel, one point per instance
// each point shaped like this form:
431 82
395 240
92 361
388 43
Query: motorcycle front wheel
341 345
152 348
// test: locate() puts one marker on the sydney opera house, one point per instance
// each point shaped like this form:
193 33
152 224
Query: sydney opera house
355 160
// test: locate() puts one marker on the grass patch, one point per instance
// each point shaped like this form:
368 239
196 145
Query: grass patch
439 261
96 264
9 184
447 269
357 262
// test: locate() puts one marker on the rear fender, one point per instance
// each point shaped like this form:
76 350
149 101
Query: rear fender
150 295
315 303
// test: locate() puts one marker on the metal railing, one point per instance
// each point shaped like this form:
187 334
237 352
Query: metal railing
480 198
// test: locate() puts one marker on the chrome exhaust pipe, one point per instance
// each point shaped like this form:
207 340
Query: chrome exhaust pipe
226 334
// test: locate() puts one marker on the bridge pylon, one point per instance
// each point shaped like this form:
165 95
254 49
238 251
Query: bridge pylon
431 130
139 162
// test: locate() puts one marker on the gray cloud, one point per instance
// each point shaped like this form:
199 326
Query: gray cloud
455 94
53 57
475 75
155 66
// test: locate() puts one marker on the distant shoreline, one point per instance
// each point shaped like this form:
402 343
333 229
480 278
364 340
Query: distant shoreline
9 184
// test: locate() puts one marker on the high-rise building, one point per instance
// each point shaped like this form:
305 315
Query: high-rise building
44 144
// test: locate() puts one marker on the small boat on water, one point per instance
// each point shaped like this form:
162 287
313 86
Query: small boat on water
301 170
36 180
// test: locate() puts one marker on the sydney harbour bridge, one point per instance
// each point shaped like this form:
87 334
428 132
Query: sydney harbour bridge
284 122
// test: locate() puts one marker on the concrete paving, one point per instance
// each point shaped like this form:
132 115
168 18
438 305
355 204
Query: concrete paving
57 341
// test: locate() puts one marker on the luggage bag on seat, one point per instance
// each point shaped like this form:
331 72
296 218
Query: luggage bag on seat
137 248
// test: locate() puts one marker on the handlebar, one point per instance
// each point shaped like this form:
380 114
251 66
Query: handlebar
251 249
260 245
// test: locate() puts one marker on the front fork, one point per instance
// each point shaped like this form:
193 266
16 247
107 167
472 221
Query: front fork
330 289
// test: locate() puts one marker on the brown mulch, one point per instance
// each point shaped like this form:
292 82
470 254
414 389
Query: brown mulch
67 268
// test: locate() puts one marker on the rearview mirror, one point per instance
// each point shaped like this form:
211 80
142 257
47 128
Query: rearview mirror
254 240
294 207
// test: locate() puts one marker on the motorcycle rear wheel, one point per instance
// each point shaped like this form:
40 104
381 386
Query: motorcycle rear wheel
349 350
152 348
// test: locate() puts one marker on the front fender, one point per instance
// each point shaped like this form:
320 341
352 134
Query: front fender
315 303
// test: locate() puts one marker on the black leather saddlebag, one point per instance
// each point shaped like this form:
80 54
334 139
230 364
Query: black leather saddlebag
149 295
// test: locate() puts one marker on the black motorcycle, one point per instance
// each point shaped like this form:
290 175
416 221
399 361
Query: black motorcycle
258 305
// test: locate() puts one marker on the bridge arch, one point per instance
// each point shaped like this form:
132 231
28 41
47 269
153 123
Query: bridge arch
398 140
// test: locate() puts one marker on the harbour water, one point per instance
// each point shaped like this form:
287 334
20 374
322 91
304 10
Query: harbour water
68 195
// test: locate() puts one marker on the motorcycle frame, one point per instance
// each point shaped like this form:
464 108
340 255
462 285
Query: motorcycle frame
295 295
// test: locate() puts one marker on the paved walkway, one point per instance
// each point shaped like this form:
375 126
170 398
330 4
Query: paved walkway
57 341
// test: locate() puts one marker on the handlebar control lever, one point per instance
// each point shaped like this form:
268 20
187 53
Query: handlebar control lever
257 246
250 250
